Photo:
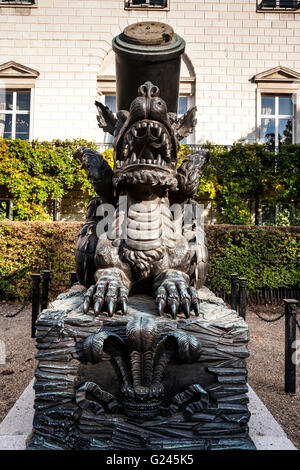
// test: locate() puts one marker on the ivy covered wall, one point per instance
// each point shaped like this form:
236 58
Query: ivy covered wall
236 180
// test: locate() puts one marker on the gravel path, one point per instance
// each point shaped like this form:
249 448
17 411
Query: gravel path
265 365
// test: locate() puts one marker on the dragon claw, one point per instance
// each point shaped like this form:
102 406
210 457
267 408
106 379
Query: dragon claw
175 294
108 294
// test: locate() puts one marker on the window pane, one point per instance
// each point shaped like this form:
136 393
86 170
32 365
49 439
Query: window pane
22 126
285 131
268 132
160 3
269 3
285 105
6 100
110 101
5 125
23 100
182 104
267 104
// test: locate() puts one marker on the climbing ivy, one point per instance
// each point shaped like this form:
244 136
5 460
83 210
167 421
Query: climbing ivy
35 173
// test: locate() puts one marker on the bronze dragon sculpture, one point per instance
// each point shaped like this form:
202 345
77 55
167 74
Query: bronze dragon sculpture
145 247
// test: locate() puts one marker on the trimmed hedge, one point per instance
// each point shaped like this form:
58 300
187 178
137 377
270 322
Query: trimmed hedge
267 256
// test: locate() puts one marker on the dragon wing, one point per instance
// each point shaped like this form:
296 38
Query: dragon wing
100 175
106 118
185 124
188 176
99 172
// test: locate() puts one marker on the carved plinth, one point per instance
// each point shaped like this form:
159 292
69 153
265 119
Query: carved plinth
140 381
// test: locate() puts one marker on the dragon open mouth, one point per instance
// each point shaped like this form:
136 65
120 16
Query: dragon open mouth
146 143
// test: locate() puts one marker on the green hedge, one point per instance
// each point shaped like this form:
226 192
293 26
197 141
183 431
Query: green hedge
35 173
267 256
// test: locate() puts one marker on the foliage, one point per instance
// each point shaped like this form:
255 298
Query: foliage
267 256
245 171
35 173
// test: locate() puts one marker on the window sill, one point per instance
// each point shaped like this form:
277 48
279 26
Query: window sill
16 5
277 10
156 9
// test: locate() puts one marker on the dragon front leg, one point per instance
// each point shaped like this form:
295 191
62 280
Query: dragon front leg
109 294
173 293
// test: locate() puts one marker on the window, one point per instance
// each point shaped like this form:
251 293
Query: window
277 4
277 120
146 4
17 3
15 114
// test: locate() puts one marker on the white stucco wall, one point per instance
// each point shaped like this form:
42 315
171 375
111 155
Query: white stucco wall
227 42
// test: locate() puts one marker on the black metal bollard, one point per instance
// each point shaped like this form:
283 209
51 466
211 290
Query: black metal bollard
233 297
73 278
45 289
290 345
242 297
36 279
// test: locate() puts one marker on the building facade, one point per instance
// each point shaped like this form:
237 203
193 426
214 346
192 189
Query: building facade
241 67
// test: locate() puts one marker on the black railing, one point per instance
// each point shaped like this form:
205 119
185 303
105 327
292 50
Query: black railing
267 5
102 146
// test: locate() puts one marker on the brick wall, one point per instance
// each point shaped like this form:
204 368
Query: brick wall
227 42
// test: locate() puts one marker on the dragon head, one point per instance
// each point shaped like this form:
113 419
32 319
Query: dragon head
146 140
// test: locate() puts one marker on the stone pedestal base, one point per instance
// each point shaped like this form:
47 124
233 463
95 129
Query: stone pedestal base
203 404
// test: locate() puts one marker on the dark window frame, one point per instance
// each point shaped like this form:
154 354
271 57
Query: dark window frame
129 5
277 5
19 3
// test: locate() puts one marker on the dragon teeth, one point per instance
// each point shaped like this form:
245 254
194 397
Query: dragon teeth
144 124
158 160
159 131
143 160
134 131
133 158
149 161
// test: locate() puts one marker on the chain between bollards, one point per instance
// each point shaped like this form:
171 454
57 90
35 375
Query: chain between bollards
290 345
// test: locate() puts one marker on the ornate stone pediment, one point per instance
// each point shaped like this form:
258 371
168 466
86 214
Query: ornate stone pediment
14 70
277 74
